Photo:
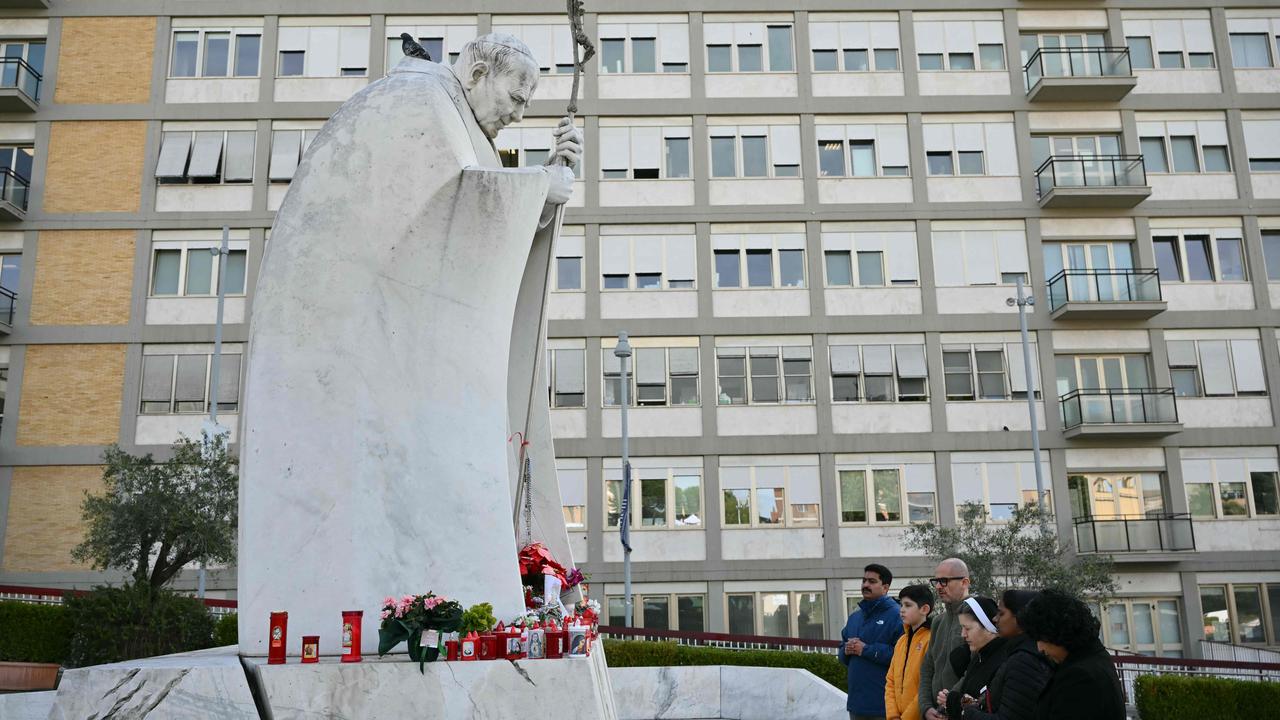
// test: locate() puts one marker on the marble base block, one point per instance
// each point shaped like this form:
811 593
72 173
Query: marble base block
724 692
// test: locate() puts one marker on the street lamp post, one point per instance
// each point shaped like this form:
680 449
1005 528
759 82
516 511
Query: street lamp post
1022 301
212 428
623 352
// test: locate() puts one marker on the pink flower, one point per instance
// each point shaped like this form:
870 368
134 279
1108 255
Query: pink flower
388 601
386 613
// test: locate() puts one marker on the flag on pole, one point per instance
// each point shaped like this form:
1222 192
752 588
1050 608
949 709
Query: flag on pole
624 518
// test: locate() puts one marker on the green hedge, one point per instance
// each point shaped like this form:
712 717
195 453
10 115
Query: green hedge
227 631
636 653
1172 697
34 633
111 624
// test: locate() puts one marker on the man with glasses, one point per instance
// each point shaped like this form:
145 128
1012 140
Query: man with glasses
951 581
869 637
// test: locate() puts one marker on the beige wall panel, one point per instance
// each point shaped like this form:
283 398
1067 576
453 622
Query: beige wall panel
44 517
105 60
95 166
83 277
71 395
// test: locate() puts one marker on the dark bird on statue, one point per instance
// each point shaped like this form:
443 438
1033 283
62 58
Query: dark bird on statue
411 48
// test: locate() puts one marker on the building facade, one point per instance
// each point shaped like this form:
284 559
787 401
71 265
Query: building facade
809 219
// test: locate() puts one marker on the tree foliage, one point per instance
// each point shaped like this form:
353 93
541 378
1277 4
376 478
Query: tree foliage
153 518
1014 554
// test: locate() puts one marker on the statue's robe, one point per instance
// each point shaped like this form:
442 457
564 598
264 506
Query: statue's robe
393 299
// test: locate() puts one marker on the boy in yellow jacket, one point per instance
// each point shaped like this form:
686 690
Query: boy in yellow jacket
902 684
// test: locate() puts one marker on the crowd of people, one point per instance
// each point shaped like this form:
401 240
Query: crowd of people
1027 655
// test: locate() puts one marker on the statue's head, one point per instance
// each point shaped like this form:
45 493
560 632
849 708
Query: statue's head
498 74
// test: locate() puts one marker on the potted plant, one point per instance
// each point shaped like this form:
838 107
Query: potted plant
408 618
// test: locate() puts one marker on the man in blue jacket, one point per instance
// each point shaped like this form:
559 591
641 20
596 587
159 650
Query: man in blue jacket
868 637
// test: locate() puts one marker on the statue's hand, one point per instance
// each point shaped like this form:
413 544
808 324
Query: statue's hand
568 144
561 187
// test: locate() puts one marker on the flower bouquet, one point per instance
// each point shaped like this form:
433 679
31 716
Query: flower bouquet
412 616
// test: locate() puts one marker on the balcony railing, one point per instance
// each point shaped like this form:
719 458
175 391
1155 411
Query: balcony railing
1090 171
1104 286
1088 406
1072 62
1154 533
8 299
16 73
14 189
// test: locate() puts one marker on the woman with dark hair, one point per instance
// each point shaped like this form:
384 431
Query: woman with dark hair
1084 683
980 656
1017 684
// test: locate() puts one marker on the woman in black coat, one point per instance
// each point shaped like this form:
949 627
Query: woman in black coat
1085 683
985 651
1016 686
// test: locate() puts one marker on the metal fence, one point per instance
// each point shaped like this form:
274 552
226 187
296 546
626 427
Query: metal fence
16 73
55 596
14 189
1061 62
1135 406
1108 286
1139 534
1211 650
1131 667
723 640
1091 171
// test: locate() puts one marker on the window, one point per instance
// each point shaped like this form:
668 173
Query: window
1250 50
323 51
569 253
16 160
210 53
287 149
999 485
775 375
765 496
1215 367
1262 143
1177 43
1271 251
190 269
854 46
206 157
970 148
749 47
872 150
644 153
546 36
1220 486
10 270
180 381
769 614
14 75
443 43
662 497
647 262
956 45
1199 256
983 371
657 375
1063 55
764 260
755 151
1116 495
571 476
1193 146
686 613
885 493
1238 613
1149 626
878 373
566 370
978 257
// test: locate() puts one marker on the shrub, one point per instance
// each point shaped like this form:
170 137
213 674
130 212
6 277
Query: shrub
226 632
636 653
1172 697
34 633
478 618
111 624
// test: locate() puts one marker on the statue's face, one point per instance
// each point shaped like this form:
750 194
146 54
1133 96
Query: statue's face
499 99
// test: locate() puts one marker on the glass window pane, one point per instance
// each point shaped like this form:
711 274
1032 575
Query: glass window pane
825 61
940 163
855 61
688 500
780 49
728 272
862 155
189 388
719 58
691 613
233 269
569 273
1250 50
1144 631
657 611
853 496
1213 608
750 58
292 63
677 157
1118 624
618 611
1168 265
811 615
1184 154
840 272
613 501
759 268
742 614
217 48
1264 497
1153 156
1234 500
723 160
886 60
831 158
199 271
1200 60
790 267
612 52
870 269
960 61
248 50
185 47
1170 622
643 56
991 57
653 502
1230 259
930 61
1140 57
1170 60
888 489
920 508
770 508
775 614
1216 159
164 275
1271 250
737 507
1248 618
1199 264
157 383
1200 500
970 162
755 157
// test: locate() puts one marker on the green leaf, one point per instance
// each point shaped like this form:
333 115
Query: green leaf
391 635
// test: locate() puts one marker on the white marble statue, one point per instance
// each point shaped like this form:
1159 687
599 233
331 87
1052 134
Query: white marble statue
396 342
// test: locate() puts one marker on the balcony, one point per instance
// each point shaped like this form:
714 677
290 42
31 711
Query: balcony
1092 181
1131 413
1079 74
8 300
19 86
1148 535
14 190
1120 294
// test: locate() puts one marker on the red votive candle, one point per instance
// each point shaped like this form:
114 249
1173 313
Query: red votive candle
276 637
310 648
351 622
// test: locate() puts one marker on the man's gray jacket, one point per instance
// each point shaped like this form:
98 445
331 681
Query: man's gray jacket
935 672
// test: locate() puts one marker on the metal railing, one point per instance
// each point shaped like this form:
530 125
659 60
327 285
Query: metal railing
1129 667
1058 62
8 299
55 596
1104 286
1213 650
16 73
1079 171
1088 406
722 640
14 189
1154 533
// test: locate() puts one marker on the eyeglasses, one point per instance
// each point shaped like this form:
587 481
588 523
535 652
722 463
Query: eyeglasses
941 581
